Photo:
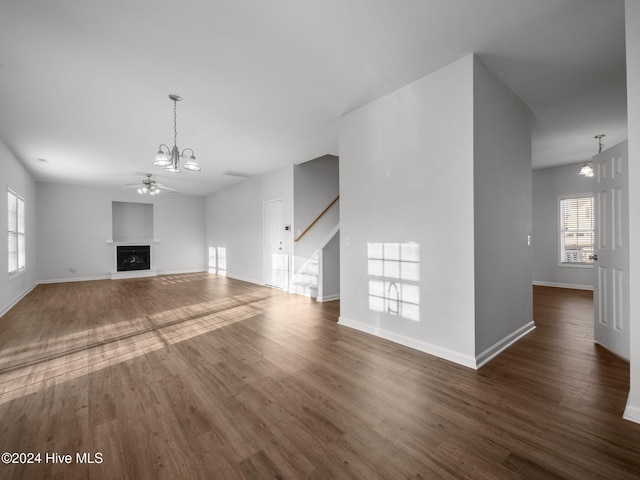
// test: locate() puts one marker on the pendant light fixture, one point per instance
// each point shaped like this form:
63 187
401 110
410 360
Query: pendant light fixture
587 168
170 157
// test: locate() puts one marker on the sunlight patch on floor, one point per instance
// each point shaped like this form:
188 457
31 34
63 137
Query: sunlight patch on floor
36 366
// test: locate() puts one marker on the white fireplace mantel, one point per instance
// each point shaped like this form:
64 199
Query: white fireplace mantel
132 241
116 275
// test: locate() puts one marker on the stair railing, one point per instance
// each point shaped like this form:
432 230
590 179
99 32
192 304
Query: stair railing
316 220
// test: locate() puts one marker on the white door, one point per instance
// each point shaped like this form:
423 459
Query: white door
611 265
276 263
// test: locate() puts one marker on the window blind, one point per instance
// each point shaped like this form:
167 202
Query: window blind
576 230
17 250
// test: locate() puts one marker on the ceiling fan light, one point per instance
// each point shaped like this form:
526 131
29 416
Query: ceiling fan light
192 164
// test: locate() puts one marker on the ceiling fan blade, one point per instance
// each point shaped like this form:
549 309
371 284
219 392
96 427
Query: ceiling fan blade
164 187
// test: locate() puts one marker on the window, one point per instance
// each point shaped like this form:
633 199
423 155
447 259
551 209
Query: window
576 230
394 276
15 229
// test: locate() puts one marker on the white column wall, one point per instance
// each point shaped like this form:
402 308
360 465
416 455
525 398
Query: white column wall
406 175
632 13
502 208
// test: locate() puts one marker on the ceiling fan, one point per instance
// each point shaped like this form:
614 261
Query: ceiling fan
150 186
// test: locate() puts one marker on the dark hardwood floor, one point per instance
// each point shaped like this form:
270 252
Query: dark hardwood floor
200 376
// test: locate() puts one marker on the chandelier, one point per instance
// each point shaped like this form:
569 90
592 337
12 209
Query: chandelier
587 168
170 157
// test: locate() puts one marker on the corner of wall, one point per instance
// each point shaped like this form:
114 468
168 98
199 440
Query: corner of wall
502 213
632 32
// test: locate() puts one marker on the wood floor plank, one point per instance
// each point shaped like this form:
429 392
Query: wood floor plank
201 376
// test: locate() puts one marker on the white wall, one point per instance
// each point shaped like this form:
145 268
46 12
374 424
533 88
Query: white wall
548 185
14 175
75 222
406 174
632 13
234 221
132 221
331 269
502 207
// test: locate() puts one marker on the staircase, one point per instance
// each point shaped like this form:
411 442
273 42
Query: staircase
305 280
308 280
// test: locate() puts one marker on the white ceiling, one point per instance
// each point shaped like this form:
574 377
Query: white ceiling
84 84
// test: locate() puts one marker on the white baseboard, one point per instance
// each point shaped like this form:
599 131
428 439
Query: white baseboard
631 412
117 275
13 302
503 344
329 298
245 279
134 274
75 279
563 285
452 356
180 272
307 294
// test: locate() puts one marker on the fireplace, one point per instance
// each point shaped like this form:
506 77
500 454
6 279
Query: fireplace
133 257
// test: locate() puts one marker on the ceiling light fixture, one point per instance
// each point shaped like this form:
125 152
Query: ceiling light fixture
171 157
149 186
587 168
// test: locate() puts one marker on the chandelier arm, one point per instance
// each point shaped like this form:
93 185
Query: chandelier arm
165 146
184 151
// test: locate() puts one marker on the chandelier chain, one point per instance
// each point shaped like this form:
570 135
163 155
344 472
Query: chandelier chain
175 123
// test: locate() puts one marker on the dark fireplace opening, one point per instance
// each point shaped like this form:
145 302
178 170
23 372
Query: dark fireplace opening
134 257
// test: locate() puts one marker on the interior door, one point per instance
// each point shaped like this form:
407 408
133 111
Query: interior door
611 254
276 263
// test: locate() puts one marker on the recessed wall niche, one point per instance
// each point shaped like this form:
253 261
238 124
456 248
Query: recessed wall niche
132 221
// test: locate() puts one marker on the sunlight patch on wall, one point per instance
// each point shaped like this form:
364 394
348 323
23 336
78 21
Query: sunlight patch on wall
279 271
394 276
218 260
